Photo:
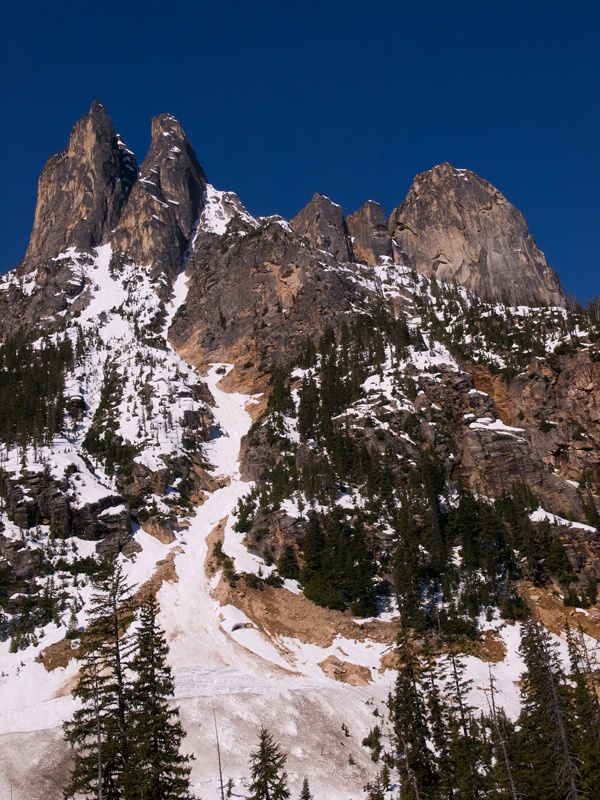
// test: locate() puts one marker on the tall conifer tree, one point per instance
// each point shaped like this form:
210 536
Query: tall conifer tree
98 731
268 776
157 770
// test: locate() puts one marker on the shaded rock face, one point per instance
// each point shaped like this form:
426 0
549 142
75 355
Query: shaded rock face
157 223
489 461
556 402
455 226
322 222
255 294
56 283
81 190
370 233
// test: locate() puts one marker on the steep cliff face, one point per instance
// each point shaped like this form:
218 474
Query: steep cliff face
457 227
255 291
157 222
322 222
370 233
81 190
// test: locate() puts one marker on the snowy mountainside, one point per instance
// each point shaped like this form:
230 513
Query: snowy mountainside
317 457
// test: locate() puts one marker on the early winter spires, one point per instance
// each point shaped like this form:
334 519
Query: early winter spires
81 190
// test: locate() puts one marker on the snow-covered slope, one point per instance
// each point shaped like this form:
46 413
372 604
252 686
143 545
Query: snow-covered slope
131 387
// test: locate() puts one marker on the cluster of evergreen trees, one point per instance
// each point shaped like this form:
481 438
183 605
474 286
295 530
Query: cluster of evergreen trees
474 329
449 562
32 382
125 736
444 749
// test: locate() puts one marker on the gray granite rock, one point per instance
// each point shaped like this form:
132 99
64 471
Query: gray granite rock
456 227
322 222
81 190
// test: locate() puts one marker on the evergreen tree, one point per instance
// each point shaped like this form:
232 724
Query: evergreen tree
99 728
586 706
502 771
545 761
416 763
269 779
305 793
156 769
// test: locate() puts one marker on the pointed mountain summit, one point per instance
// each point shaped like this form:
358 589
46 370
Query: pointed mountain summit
157 223
81 190
322 222
455 226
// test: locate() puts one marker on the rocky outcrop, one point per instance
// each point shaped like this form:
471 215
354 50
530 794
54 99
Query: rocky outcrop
322 222
255 293
17 559
493 462
370 233
81 190
36 499
556 402
456 227
157 223
161 528
107 521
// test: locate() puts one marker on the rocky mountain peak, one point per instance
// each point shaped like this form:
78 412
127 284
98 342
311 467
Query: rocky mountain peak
167 125
455 226
81 190
370 232
157 223
322 222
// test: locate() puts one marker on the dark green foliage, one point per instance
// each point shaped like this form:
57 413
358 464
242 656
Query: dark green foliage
287 566
156 769
280 398
244 513
586 704
338 566
99 730
373 742
125 737
441 748
267 773
32 389
101 440
475 330
545 744
305 794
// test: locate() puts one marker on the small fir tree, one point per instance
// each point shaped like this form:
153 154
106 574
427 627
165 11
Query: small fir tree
305 793
269 779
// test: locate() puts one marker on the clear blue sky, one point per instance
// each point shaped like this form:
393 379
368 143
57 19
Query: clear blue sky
352 99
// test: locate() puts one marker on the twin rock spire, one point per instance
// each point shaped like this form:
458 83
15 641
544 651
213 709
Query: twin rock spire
453 225
91 193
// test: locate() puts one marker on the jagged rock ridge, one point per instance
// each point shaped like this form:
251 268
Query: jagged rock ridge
157 223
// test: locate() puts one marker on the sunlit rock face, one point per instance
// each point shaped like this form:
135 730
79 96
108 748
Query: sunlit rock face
81 190
456 227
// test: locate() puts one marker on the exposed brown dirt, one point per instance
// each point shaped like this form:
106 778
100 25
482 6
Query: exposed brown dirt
490 648
554 615
277 612
346 672
60 653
